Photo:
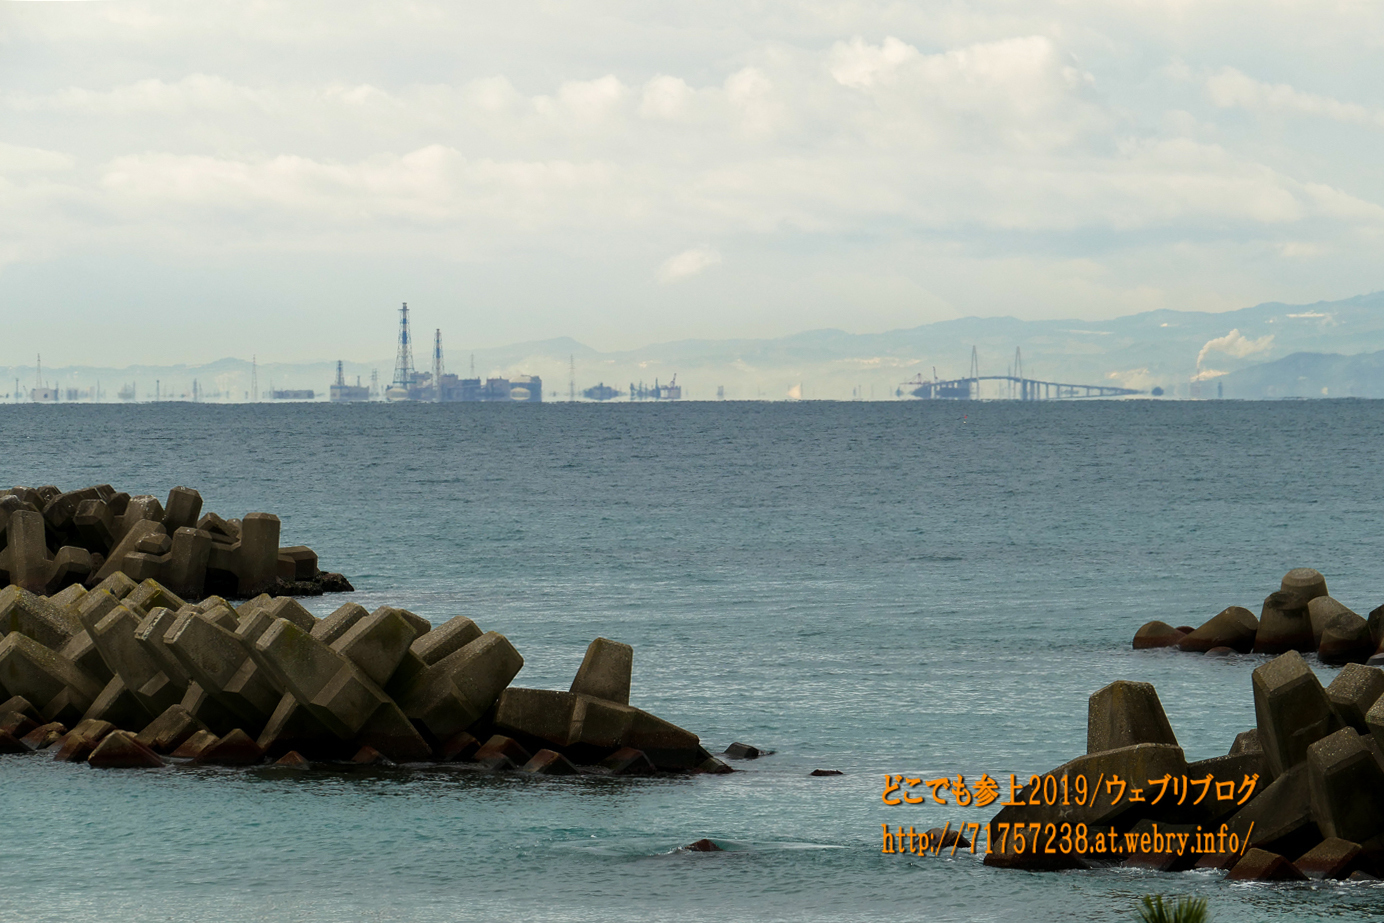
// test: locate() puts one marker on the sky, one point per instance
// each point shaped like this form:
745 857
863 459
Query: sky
182 181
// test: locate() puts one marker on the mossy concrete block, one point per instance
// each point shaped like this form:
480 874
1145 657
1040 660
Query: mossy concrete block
286 607
338 622
150 594
116 584
217 661
29 614
41 675
114 637
452 694
377 643
82 651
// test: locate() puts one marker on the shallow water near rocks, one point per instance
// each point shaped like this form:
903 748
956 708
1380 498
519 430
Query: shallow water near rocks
931 589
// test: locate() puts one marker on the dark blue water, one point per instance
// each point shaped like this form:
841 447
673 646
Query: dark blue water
926 589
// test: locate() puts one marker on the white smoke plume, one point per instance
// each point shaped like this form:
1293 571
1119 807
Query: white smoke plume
1234 344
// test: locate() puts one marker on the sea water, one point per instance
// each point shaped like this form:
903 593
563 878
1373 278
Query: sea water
931 589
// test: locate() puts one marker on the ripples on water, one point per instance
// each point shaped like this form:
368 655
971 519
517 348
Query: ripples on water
867 587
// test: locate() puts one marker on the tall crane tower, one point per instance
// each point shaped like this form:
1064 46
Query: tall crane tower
437 365
403 363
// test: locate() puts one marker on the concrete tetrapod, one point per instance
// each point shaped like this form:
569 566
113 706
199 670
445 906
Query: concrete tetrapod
337 692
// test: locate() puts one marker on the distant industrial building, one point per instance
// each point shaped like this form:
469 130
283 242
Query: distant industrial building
342 393
302 394
601 392
411 384
657 392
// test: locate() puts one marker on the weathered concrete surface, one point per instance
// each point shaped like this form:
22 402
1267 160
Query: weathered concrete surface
1321 611
1305 582
1332 858
118 705
501 753
1345 639
1353 693
185 571
194 745
1261 865
286 607
1283 625
589 729
120 750
338 623
605 671
294 727
128 545
233 749
628 761
1123 714
116 584
297 562
377 643
1279 817
76 745
25 613
258 553
452 694
1156 634
217 661
458 749
1292 710
1246 742
337 692
1233 627
1347 787
447 638
114 637
182 510
39 674
152 595
549 763
27 563
421 626
169 730
81 650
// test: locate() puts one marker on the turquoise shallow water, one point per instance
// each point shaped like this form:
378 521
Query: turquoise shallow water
875 588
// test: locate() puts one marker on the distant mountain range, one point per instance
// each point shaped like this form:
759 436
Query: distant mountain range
1267 351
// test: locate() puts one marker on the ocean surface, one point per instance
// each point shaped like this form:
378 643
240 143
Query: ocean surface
924 588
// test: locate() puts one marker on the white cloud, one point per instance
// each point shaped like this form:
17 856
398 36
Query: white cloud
1229 88
1061 156
687 264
